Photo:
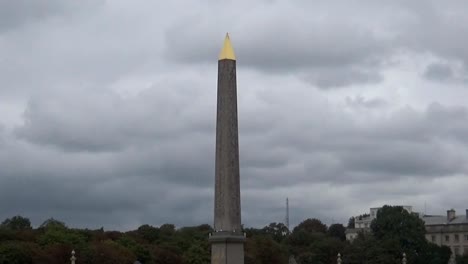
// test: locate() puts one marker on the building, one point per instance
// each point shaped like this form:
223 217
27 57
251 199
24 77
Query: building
362 222
450 230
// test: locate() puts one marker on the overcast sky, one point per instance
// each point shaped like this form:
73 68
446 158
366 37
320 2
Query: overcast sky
107 108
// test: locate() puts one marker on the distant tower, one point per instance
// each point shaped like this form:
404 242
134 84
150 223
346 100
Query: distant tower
287 213
227 241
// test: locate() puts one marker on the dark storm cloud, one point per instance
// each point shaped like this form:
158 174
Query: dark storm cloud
178 170
85 189
119 108
403 145
336 78
100 120
335 55
438 72
334 51
19 13
361 102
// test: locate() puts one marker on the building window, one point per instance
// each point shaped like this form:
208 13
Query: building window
365 225
447 238
457 239
456 250
433 238
465 251
466 237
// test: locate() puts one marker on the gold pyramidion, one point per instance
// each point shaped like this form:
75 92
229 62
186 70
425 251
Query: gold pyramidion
227 52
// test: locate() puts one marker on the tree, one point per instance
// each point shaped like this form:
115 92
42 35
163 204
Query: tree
69 237
15 253
149 233
398 231
338 231
167 230
351 222
196 254
110 252
462 259
277 231
16 223
142 254
396 222
312 226
434 254
356 252
53 223
164 256
264 250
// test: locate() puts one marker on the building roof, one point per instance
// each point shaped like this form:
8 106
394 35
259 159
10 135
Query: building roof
442 220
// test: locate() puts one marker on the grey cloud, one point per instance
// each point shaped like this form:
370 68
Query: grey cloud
431 27
100 120
167 179
353 50
403 146
14 14
285 44
361 102
335 78
87 44
438 72
88 153
85 189
340 54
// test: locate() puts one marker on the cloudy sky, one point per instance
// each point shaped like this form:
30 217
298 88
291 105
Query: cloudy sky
107 108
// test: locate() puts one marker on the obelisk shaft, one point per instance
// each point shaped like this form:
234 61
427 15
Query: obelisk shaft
227 188
227 242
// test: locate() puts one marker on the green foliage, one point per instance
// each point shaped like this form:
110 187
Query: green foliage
351 222
142 253
462 259
15 253
197 254
164 256
111 252
148 233
277 231
314 247
396 224
16 223
338 231
62 236
53 223
264 250
395 231
7 234
311 226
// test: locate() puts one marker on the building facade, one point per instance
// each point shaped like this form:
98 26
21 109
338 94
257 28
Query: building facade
362 222
450 230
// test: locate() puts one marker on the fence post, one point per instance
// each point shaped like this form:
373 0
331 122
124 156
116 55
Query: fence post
72 259
403 261
338 261
452 259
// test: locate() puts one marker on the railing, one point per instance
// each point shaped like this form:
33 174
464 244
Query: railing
403 259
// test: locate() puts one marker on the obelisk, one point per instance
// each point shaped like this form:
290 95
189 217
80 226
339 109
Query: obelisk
227 241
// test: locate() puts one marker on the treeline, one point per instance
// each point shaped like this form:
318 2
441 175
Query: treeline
311 242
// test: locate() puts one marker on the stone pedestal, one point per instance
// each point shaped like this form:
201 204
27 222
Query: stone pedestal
227 247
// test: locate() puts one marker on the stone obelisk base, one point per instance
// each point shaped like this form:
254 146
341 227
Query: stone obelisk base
227 248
